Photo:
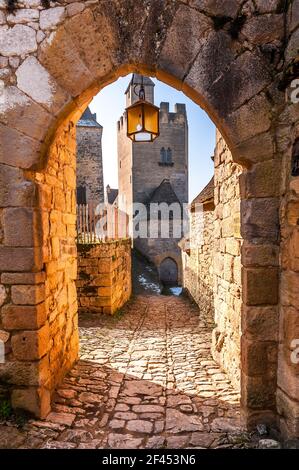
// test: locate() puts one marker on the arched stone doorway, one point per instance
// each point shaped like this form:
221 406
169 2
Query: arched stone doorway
169 272
225 67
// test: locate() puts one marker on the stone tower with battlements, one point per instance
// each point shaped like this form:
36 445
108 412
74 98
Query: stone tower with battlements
90 183
142 167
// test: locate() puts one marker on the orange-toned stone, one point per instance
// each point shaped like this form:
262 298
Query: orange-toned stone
31 345
28 295
19 317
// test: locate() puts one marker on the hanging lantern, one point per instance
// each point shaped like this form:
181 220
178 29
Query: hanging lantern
142 119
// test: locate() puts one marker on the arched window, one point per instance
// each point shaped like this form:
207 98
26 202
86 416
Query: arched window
163 155
169 155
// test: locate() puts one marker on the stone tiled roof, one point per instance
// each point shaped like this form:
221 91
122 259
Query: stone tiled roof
137 79
111 195
164 193
88 119
205 195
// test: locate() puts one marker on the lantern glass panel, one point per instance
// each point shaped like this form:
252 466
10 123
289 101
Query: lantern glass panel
143 137
134 116
151 119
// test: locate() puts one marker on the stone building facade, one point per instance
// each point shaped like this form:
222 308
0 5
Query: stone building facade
198 252
143 167
90 180
242 71
212 269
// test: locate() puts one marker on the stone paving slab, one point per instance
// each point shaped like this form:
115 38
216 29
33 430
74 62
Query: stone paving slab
145 379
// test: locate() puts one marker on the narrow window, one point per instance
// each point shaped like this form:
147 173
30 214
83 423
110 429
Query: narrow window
163 155
169 155
81 195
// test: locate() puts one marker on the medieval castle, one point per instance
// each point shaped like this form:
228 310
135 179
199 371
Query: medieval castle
147 173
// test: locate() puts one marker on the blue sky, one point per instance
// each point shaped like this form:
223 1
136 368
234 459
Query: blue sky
109 105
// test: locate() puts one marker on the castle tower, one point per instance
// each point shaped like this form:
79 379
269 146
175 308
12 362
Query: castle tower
143 166
132 92
90 182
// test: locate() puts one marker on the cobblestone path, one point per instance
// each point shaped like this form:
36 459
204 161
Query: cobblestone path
144 380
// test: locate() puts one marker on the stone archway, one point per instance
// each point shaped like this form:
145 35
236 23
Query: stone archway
226 58
168 272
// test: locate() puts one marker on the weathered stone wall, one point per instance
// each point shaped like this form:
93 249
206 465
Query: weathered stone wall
198 262
212 271
40 306
104 281
227 262
89 163
288 336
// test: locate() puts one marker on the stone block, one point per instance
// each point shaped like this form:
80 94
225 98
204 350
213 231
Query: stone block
50 18
19 317
264 29
232 246
28 295
31 345
22 227
23 114
216 54
256 149
288 408
34 80
23 278
260 323
293 213
105 291
260 219
19 40
263 180
258 392
251 119
23 373
259 255
102 280
290 288
20 259
96 40
287 373
3 294
260 286
105 266
228 267
32 399
247 75
177 53
290 329
259 358
61 58
17 149
217 7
